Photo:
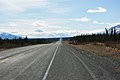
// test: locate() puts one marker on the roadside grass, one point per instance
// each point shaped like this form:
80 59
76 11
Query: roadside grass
108 49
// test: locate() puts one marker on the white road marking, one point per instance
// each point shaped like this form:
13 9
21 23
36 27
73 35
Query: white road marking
46 73
90 72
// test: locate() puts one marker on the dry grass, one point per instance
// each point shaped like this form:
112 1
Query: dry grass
101 48
8 46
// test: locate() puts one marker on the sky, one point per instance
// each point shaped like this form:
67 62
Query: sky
57 18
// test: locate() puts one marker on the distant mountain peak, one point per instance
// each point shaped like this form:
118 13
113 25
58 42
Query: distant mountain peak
5 35
117 26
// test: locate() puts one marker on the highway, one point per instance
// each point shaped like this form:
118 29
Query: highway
55 61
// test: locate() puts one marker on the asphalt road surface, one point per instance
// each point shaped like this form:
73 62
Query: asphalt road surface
55 61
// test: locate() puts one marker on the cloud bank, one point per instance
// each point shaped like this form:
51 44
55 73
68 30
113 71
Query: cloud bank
84 19
97 10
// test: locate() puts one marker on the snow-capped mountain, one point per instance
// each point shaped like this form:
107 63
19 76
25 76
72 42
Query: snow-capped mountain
5 35
117 27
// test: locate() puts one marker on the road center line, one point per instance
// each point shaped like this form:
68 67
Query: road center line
46 73
90 72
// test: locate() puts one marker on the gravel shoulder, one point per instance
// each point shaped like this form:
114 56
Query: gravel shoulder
107 64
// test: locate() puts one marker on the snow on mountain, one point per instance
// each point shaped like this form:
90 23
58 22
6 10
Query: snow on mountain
5 35
117 27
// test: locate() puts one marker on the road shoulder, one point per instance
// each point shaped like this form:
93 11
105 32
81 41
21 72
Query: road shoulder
110 65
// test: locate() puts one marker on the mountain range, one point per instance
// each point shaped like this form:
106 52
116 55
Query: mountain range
5 35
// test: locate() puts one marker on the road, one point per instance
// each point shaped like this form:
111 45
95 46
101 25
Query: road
55 61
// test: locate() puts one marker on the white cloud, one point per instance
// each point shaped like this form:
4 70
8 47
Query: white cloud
46 25
96 22
84 19
12 24
23 5
40 24
98 10
20 5
103 23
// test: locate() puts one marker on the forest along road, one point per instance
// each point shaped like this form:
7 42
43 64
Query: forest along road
54 61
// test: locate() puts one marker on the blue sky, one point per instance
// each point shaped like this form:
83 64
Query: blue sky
55 18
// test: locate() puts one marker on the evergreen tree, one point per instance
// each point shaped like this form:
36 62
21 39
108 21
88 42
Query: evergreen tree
106 31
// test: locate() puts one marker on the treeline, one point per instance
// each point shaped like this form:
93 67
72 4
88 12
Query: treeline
108 35
9 43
